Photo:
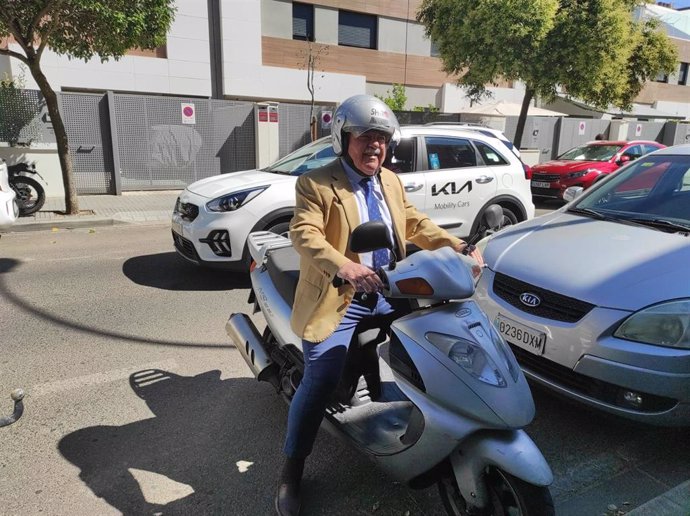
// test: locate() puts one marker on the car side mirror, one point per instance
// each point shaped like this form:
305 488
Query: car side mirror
623 159
572 192
369 237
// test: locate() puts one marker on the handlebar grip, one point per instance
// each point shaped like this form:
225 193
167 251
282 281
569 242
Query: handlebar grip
468 249
338 282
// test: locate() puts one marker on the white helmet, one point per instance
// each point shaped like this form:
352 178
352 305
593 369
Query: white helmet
359 114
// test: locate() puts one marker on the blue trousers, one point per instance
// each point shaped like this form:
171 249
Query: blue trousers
323 366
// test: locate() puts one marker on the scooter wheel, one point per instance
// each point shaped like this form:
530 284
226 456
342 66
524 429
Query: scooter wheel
30 195
508 495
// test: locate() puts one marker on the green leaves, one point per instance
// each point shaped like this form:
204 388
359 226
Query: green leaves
591 49
84 29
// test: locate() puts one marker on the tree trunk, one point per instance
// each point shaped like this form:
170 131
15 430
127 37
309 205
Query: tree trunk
71 200
529 95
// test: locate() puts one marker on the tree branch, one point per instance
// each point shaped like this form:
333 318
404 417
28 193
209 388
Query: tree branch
16 55
54 21
15 29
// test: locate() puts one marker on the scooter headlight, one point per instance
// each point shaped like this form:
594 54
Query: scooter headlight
470 357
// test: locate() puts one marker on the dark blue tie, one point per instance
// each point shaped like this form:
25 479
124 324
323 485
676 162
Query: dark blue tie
380 256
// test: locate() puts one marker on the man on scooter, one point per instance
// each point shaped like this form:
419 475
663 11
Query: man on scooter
330 203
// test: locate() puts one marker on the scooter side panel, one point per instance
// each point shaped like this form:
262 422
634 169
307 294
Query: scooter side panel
274 308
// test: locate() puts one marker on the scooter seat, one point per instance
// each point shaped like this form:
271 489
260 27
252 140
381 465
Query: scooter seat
283 268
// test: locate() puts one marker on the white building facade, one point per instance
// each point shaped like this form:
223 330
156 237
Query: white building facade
257 50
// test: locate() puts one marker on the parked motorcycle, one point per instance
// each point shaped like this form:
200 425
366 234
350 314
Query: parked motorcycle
17 396
444 401
30 194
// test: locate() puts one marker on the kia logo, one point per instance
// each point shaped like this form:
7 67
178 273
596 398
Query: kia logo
529 299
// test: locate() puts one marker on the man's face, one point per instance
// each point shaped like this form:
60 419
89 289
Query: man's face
368 151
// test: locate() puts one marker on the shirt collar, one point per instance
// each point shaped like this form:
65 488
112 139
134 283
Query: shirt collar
354 176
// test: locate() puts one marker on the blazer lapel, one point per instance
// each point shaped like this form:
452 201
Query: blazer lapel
343 191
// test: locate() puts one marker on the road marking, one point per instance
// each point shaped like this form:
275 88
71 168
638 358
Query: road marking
90 380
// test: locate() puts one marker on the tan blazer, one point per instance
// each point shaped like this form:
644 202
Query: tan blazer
325 215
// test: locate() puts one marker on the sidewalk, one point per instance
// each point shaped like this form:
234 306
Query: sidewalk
102 210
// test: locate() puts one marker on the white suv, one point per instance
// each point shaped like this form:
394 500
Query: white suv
450 173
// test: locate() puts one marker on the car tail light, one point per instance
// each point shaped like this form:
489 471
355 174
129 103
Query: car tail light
528 171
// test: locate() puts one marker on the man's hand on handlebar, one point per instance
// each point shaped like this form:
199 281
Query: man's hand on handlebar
361 277
471 251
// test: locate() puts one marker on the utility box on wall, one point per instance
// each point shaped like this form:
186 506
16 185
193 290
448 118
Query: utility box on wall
267 134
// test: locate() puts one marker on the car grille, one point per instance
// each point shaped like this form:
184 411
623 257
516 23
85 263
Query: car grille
187 210
597 389
550 178
545 192
553 306
185 247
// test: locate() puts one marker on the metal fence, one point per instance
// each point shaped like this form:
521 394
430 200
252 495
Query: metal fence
158 146
141 142
294 125
23 114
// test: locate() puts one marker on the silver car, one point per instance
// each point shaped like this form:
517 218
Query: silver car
594 298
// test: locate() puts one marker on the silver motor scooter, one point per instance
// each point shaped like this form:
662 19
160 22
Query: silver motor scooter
445 401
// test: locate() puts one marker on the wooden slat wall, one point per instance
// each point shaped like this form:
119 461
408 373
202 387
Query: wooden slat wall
377 66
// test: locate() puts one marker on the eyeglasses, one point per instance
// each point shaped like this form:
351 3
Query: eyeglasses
372 136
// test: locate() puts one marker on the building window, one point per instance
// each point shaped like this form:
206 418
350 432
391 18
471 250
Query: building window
683 74
356 30
662 77
302 21
434 50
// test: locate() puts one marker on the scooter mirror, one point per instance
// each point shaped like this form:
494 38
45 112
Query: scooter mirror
370 236
493 216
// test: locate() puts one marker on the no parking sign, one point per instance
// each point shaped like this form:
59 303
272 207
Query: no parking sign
188 113
581 128
326 119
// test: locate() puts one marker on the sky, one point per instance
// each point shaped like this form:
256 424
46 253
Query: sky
680 3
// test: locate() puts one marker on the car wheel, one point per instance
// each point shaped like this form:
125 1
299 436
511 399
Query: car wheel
280 228
509 218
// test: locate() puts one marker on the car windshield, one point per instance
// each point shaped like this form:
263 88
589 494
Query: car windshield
591 153
311 156
653 191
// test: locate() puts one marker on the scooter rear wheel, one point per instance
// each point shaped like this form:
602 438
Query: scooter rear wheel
30 194
508 496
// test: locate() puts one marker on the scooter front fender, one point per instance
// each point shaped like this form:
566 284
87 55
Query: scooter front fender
509 450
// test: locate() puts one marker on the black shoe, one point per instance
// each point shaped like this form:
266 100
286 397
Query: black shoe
288 500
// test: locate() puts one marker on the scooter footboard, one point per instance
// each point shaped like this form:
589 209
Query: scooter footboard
509 450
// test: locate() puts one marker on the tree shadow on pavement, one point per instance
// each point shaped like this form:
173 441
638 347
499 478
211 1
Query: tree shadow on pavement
210 449
168 271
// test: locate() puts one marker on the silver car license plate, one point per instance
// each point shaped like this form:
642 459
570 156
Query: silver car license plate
540 184
520 335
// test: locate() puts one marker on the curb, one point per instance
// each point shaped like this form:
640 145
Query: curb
63 224
675 502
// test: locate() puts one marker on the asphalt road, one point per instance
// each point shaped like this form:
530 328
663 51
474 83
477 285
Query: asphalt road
137 404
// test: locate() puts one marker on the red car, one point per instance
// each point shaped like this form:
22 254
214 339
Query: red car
585 165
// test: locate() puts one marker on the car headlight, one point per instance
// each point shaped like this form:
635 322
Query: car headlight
231 202
665 324
468 355
581 173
